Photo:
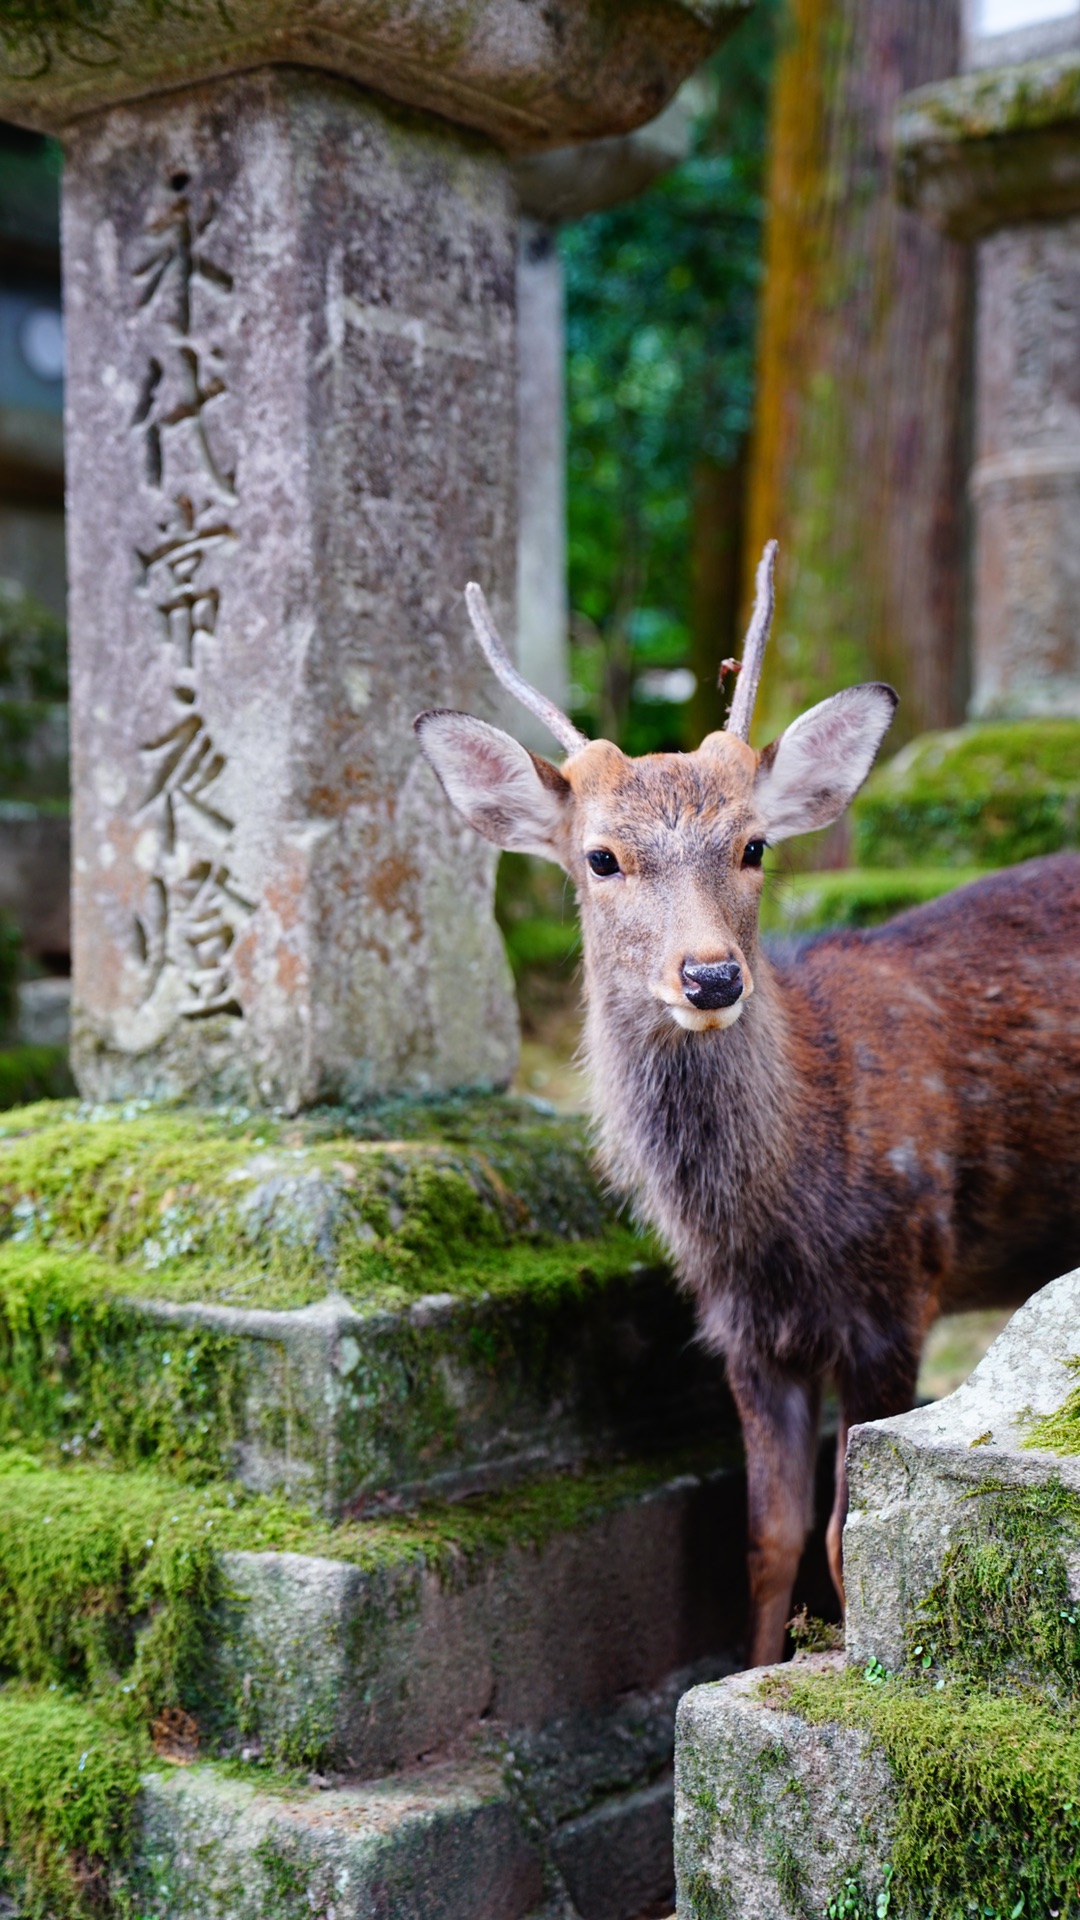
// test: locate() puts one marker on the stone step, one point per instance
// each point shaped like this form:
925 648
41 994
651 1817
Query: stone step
415 1298
932 1768
367 1645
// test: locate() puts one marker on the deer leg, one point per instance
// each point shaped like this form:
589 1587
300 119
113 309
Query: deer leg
779 1417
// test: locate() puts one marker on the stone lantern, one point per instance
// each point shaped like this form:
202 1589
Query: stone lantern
289 241
994 156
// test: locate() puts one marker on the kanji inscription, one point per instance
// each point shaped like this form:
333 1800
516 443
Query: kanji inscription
192 910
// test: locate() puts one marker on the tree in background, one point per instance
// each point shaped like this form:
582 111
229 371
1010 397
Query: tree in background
661 298
858 462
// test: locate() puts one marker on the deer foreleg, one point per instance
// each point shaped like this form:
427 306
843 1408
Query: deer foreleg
780 1422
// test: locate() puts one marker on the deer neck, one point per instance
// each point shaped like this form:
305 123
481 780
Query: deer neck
700 1127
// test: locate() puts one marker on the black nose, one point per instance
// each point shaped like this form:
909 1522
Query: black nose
711 985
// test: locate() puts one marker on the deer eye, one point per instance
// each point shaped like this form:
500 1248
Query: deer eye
603 863
753 853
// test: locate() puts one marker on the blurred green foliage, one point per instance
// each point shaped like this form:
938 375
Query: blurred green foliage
661 302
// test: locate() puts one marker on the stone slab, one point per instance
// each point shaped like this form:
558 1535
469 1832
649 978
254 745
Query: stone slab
444 1843
772 1815
377 1667
989 149
526 75
911 1477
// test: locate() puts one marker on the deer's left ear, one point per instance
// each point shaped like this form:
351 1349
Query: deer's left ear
806 778
513 797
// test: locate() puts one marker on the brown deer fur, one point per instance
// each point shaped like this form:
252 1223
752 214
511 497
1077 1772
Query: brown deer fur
883 1128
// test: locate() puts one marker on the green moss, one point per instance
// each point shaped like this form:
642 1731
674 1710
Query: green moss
1059 1432
68 1781
988 1817
30 1074
852 897
983 796
77 1366
381 1206
1001 1609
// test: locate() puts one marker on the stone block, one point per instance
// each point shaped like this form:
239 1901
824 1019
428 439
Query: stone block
291 392
526 77
544 1620
441 1843
773 1815
914 1480
320 1308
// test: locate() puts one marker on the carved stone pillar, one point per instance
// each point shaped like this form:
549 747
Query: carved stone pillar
291 441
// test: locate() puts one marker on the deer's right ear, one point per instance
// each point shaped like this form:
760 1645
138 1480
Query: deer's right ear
511 796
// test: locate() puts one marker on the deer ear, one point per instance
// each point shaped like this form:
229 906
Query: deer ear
806 778
511 796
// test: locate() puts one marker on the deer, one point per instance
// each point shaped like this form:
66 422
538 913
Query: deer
837 1141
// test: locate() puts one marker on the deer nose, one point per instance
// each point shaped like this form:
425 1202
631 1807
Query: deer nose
709 984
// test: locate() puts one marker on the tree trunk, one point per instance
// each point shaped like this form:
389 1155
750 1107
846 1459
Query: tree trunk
718 528
859 461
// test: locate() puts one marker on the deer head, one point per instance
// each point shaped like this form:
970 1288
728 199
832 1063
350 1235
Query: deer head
665 850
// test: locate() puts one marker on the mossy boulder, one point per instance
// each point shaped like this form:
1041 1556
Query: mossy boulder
981 796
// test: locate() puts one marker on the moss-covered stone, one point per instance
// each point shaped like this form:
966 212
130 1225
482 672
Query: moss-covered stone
852 896
332 1306
360 1644
254 1210
982 796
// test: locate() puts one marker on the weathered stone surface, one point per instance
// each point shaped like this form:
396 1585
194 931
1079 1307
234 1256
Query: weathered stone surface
986 150
442 1843
379 1667
291 398
771 1814
523 74
912 1477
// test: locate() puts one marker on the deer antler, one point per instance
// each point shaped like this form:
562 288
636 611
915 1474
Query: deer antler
757 633
501 664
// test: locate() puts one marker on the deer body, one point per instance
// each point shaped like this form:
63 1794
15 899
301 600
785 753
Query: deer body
837 1143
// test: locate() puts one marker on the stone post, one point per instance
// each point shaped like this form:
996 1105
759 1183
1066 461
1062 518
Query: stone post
291 440
994 156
